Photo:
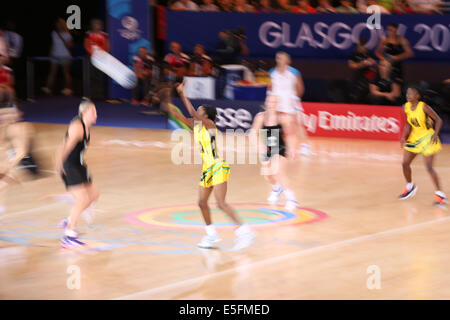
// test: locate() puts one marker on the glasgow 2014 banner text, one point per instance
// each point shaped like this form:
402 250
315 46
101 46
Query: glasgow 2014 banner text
316 36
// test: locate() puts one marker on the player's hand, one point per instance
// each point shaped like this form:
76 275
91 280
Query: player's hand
434 138
180 87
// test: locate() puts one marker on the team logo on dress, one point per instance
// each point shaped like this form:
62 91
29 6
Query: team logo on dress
257 215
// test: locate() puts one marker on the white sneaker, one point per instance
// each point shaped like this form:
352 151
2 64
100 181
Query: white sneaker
244 238
208 241
291 205
275 196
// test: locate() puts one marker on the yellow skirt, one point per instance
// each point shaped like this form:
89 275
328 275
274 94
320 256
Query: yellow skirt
215 174
424 146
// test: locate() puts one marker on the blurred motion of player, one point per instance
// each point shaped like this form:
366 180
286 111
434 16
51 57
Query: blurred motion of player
18 135
267 133
215 172
70 164
287 84
420 136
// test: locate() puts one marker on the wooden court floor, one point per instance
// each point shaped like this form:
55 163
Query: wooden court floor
142 244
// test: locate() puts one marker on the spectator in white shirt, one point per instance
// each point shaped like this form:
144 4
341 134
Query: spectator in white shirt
60 50
185 5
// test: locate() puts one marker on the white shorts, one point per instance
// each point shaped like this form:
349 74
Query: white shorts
290 105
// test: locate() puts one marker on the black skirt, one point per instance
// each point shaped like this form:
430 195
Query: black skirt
75 174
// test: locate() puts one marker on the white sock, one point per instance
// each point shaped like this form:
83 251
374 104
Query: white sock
409 186
305 145
70 233
210 230
289 194
440 194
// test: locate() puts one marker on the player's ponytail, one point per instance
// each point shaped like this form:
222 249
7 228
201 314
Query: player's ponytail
84 106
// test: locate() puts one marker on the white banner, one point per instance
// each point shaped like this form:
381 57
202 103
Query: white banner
200 87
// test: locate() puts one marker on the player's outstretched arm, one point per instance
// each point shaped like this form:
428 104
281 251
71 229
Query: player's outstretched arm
187 103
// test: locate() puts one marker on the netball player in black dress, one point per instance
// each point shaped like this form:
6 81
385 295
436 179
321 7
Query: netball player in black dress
267 126
71 166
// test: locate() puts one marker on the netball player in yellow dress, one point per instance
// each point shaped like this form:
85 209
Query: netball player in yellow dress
420 137
215 171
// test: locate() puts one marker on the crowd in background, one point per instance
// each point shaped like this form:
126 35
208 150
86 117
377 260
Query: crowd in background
312 6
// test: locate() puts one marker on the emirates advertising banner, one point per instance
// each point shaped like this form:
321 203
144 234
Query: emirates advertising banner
320 119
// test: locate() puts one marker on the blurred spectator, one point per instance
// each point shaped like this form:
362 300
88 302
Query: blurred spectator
325 7
226 5
96 38
385 90
284 6
346 7
226 50
231 44
243 6
401 6
7 93
265 7
201 64
176 63
142 66
363 64
208 5
62 43
426 6
394 48
387 4
363 4
14 40
4 48
185 5
303 7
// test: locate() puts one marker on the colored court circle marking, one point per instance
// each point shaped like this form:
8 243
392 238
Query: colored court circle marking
188 216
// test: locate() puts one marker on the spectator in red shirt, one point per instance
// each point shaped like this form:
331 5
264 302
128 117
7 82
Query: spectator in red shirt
7 93
303 7
96 37
176 63
142 65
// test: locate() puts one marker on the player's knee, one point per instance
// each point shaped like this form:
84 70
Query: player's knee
202 203
405 164
429 168
222 205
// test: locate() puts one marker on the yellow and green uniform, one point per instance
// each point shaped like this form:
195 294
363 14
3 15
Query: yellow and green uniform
419 140
215 170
